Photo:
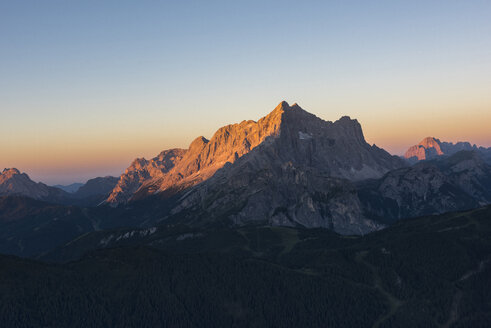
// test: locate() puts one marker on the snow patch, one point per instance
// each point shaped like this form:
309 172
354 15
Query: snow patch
105 241
129 234
304 136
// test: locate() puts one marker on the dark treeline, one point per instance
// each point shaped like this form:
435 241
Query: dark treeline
426 272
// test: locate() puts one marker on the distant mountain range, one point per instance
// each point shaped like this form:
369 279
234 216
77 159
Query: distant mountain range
15 183
431 148
71 188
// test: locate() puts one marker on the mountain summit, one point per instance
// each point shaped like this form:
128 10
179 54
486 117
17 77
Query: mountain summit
288 134
13 182
178 169
431 147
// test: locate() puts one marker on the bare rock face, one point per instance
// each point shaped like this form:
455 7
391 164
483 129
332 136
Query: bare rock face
184 168
143 171
459 182
13 182
338 148
430 148
301 175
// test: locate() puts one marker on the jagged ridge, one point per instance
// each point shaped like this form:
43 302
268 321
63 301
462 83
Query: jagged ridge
431 147
339 146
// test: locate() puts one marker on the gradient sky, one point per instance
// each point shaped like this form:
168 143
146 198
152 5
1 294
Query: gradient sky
86 86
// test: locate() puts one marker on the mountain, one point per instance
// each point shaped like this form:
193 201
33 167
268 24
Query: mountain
425 272
92 193
287 134
290 168
71 188
13 182
461 181
95 190
431 148
143 171
286 196
289 194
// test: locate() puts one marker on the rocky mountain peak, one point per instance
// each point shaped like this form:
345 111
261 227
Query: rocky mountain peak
10 172
138 163
431 142
198 144
297 134
427 148
431 147
352 128
283 105
13 182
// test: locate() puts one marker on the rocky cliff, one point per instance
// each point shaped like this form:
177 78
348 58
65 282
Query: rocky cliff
431 148
292 193
302 175
461 181
287 134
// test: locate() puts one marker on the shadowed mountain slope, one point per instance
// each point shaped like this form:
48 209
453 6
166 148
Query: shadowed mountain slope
461 181
425 272
13 182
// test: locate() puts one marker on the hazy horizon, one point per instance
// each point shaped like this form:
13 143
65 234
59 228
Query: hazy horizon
51 176
87 87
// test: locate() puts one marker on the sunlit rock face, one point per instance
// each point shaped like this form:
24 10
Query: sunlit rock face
430 148
177 169
289 168
13 182
288 132
292 168
143 171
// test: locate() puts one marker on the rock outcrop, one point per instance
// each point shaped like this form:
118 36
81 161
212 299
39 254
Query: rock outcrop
143 171
431 148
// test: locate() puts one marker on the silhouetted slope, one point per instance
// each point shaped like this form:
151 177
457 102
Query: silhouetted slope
30 227
71 188
97 187
422 272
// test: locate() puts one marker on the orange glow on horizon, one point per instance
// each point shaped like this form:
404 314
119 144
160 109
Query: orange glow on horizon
72 155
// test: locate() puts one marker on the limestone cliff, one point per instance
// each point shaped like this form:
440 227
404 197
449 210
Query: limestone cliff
338 148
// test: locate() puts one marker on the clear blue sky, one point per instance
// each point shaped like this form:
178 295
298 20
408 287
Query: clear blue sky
86 86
